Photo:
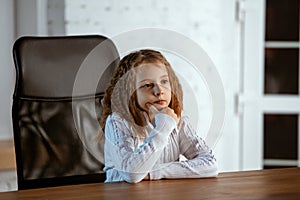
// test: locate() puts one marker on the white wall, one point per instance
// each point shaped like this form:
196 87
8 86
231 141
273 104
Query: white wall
7 73
210 23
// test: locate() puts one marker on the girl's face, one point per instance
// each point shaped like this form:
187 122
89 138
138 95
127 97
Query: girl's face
153 86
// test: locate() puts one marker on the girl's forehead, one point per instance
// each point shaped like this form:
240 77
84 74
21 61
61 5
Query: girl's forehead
146 67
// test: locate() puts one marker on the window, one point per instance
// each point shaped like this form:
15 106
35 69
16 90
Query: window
281 79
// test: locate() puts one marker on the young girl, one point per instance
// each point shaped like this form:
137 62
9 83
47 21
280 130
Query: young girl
145 133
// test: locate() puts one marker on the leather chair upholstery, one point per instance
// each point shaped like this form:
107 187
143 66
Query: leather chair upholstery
56 100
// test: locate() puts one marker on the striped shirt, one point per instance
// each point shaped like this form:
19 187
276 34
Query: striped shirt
129 157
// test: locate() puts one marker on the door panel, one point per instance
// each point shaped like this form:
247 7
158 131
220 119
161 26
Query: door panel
272 126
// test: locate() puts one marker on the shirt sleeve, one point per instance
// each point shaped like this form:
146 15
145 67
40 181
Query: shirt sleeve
134 162
200 161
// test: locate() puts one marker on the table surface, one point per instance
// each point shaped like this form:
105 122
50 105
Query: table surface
261 184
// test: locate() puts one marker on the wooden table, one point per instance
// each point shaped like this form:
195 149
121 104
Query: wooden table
263 184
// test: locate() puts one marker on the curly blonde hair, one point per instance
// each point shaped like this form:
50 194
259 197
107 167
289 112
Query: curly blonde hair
120 96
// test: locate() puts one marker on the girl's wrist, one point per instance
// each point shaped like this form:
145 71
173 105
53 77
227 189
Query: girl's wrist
162 119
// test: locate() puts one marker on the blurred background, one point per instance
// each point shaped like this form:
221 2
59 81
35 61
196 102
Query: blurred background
254 44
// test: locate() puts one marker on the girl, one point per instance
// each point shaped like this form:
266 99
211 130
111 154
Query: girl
145 133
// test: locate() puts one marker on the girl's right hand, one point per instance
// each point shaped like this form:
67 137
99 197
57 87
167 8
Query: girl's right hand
168 111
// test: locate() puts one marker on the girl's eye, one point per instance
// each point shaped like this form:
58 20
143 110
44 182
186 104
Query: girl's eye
165 81
148 85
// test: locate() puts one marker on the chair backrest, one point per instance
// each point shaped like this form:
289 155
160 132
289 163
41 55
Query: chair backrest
60 82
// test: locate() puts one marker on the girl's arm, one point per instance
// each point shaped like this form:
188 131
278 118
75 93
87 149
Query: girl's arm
134 163
200 161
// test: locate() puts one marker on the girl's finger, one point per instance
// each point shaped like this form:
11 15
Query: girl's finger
152 108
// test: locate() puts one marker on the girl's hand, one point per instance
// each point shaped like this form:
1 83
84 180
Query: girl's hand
168 111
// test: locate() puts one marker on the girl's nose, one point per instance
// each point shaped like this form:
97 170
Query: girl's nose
157 89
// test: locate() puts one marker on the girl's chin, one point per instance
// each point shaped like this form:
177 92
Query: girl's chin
159 107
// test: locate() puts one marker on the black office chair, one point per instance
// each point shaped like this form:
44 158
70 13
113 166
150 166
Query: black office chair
60 82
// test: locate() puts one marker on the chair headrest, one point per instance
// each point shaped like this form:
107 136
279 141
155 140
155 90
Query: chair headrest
63 67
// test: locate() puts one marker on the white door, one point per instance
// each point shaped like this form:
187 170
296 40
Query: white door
269 102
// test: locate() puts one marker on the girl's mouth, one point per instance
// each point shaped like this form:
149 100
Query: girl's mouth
160 102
